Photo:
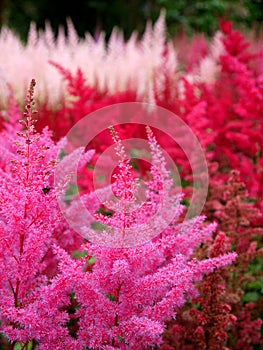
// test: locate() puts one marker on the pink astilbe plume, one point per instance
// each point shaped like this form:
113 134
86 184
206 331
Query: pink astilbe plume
118 294
115 278
125 294
151 216
29 219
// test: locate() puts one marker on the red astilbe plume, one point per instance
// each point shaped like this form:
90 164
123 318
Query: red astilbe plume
241 221
125 293
204 321
235 105
221 317
226 113
81 99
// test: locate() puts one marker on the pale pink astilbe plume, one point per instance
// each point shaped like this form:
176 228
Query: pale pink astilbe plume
31 59
9 62
162 72
207 69
72 35
32 37
113 67
125 294
94 48
167 75
113 61
15 67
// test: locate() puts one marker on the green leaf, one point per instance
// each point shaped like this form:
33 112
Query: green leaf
251 297
101 177
91 261
62 154
135 153
90 166
97 226
121 339
104 212
256 265
186 202
77 254
197 306
71 191
255 286
18 346
110 296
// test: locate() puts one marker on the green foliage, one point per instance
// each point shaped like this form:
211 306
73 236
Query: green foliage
21 346
97 226
202 16
111 297
254 288
71 191
90 15
77 254
256 265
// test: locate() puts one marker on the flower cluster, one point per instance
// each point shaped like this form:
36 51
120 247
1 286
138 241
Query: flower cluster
140 275
118 296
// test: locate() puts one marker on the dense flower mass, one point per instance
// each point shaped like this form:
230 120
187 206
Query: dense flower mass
136 273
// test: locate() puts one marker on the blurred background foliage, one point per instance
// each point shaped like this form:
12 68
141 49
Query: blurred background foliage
95 15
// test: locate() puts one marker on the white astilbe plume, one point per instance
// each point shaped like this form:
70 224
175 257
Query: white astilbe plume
113 67
209 67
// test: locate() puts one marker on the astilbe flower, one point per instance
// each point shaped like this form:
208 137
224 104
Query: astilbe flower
97 58
224 108
241 221
227 121
205 320
124 294
9 121
29 224
225 112
83 100
220 318
238 111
